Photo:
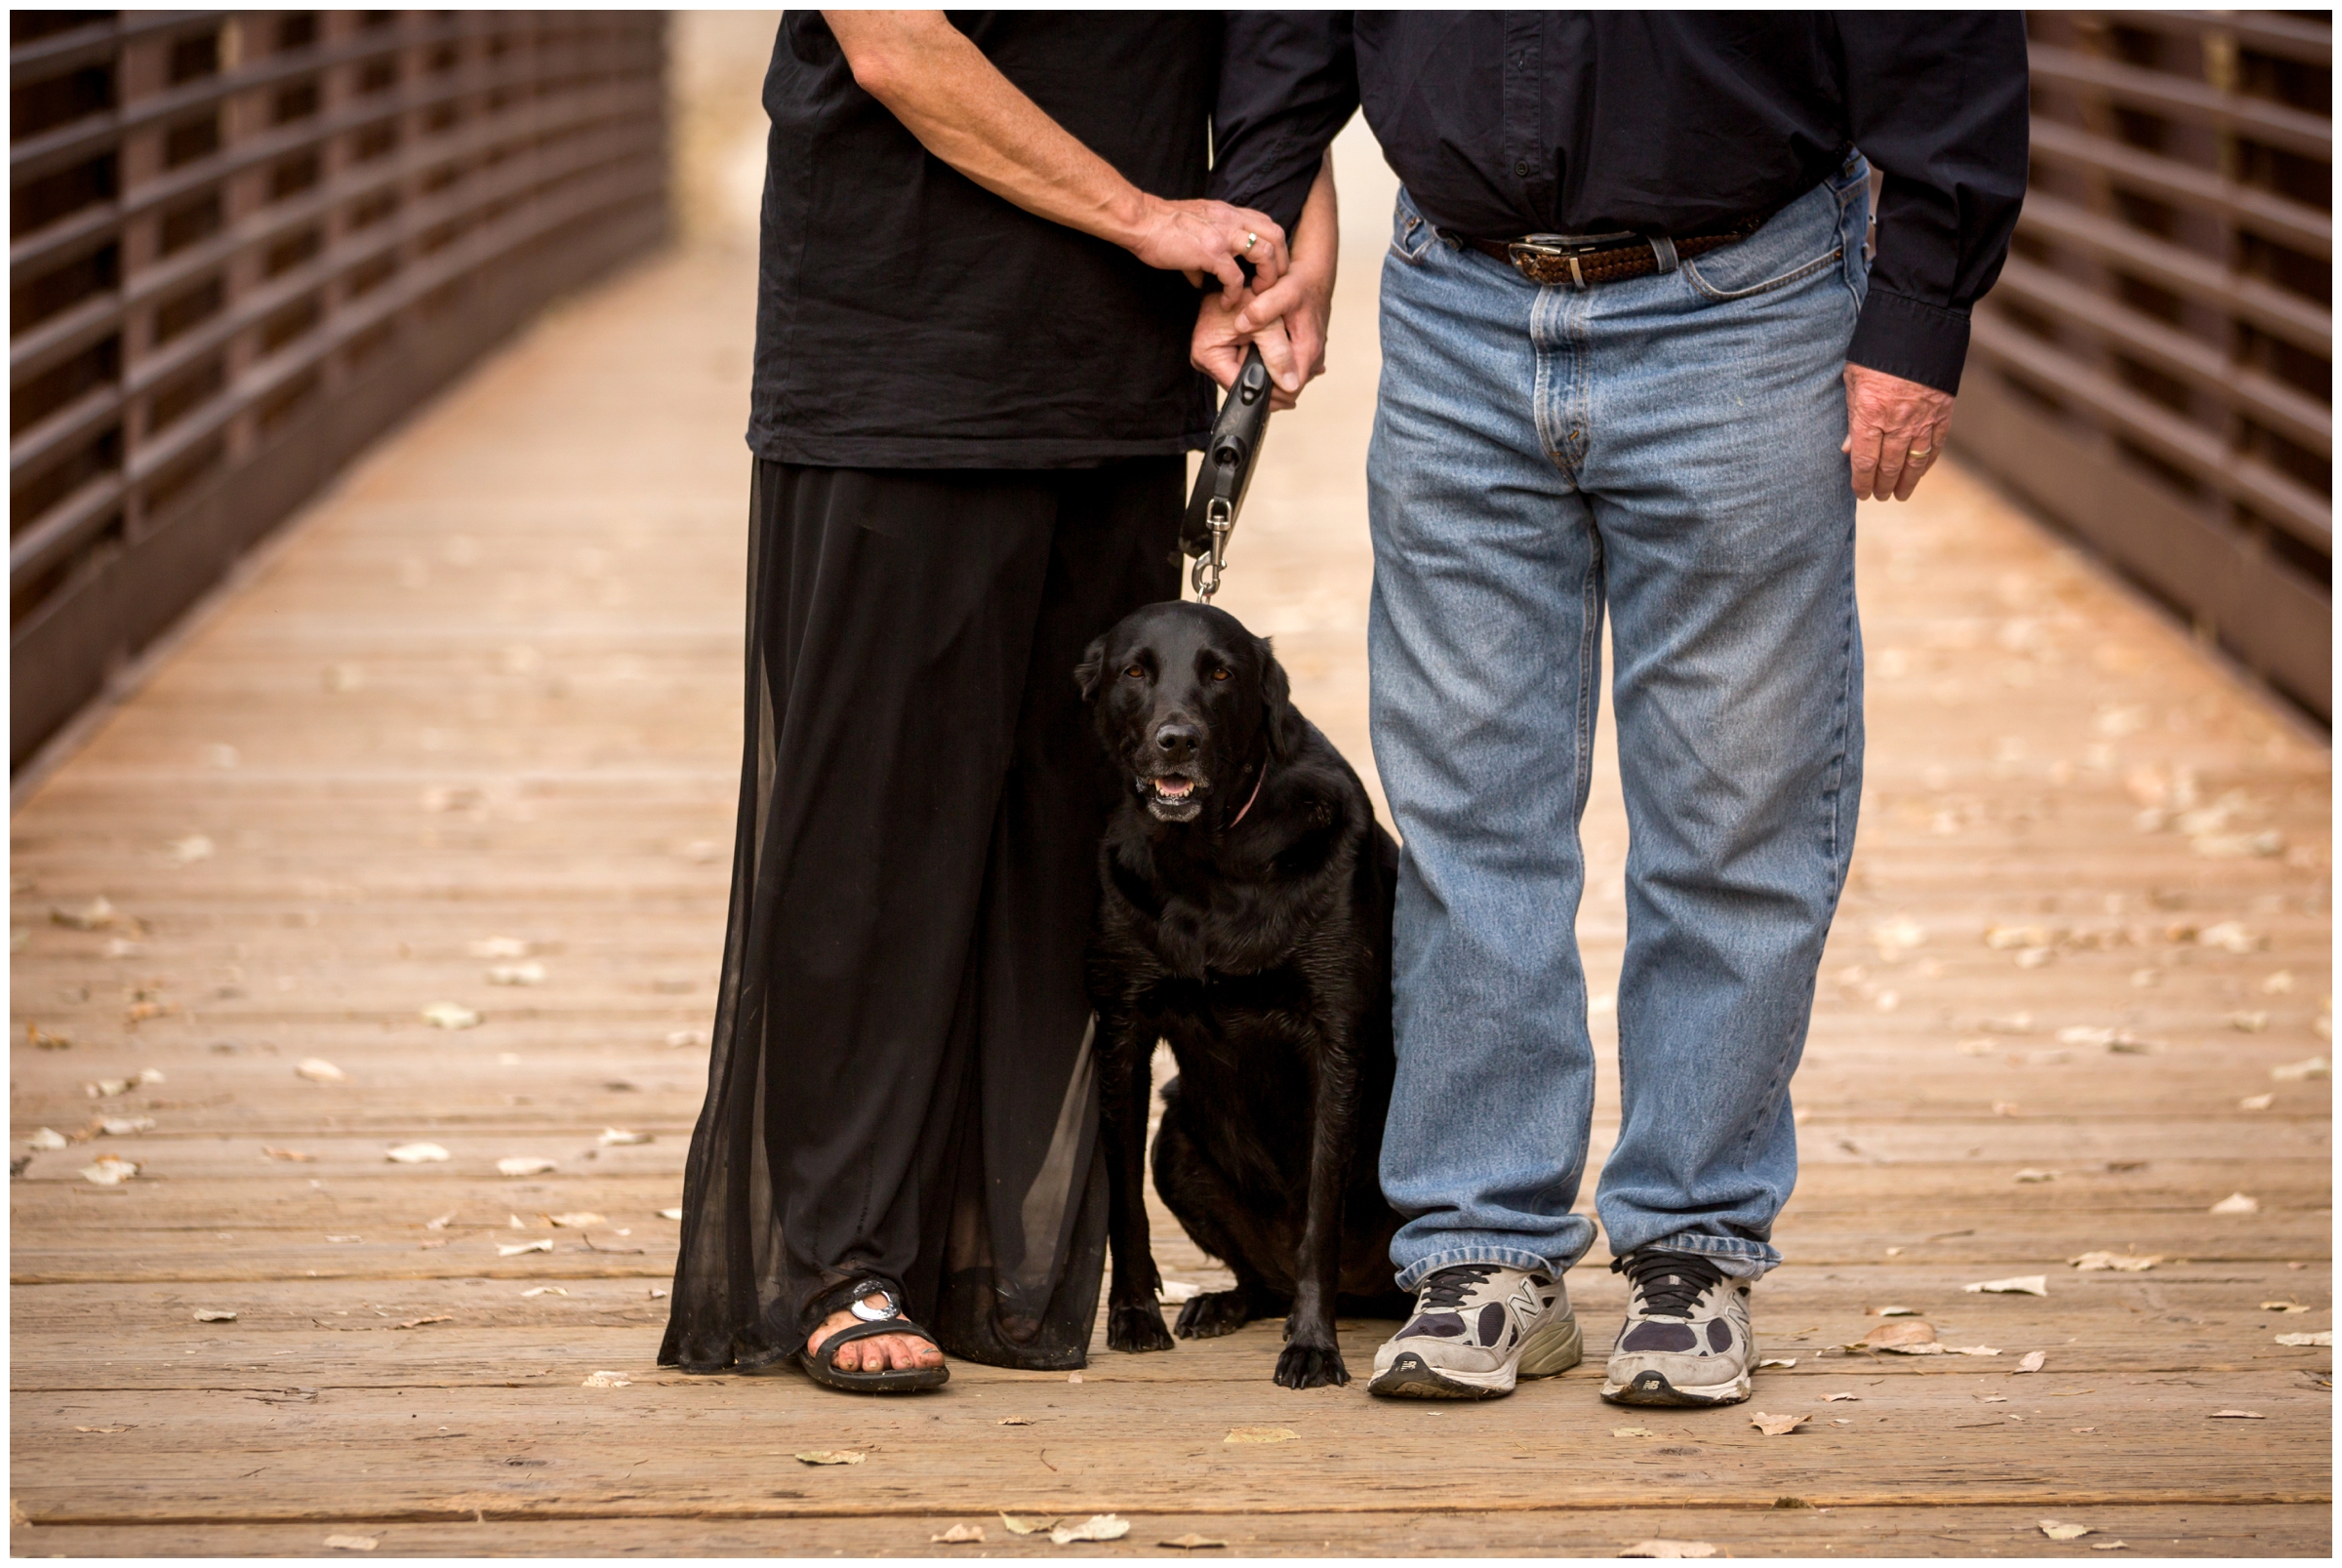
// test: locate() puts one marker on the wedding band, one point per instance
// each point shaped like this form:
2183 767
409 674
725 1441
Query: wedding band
1251 240
1921 452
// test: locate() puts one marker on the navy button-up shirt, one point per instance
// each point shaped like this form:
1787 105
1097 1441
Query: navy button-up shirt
1505 123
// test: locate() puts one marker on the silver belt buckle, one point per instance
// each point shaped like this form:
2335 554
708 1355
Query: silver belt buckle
1565 247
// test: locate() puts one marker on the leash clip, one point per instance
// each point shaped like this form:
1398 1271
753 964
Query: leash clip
1206 572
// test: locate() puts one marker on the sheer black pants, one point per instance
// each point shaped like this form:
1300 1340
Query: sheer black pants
900 1076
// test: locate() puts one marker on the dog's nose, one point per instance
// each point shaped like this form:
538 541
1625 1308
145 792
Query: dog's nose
1176 742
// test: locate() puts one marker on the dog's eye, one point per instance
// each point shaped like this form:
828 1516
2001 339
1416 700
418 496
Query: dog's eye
1136 673
1220 674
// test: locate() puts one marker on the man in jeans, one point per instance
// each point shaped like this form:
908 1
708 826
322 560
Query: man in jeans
1634 359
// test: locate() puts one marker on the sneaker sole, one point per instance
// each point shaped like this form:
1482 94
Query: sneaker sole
1545 1352
1653 1389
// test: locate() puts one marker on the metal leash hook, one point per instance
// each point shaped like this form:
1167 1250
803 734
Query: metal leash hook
1227 472
1205 575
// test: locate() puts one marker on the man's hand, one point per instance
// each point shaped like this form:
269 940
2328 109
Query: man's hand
1285 316
1196 237
1895 430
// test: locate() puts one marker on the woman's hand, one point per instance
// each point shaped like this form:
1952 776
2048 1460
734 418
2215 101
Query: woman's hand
964 111
1196 237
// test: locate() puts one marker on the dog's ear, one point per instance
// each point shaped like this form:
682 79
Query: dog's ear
1092 666
1279 721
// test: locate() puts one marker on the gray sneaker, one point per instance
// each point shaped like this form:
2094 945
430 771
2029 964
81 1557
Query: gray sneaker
1476 1328
1686 1340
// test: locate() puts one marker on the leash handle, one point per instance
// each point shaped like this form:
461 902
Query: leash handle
1226 474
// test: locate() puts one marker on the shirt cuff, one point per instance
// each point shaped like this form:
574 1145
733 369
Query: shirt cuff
1912 339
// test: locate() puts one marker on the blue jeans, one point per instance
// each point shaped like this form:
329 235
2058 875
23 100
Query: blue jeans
1666 448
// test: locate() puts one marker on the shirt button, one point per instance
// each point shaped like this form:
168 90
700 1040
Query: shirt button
1521 169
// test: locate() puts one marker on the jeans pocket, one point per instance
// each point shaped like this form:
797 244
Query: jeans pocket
1411 234
1716 276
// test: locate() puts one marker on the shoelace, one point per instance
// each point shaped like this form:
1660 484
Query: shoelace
1668 1284
1449 1286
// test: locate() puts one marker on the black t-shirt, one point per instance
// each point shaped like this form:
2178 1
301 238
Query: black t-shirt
906 317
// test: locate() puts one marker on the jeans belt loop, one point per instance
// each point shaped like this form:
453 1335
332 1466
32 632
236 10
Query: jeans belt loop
1664 249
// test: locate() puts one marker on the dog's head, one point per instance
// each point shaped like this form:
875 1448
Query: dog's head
1190 706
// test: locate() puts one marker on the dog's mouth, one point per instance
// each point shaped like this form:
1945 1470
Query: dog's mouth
1173 797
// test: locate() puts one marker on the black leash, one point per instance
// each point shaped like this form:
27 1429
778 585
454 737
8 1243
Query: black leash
1227 472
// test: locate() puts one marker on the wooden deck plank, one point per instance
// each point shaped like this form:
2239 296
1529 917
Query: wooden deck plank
490 689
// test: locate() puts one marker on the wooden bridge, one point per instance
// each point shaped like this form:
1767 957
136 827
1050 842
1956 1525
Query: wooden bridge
420 836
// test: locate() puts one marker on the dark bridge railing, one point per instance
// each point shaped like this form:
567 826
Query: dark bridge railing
243 244
2154 369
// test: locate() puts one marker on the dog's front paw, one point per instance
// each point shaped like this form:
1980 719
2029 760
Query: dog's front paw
1311 1366
1214 1313
1138 1327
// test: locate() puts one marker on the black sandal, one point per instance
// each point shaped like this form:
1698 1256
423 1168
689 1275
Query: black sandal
821 1365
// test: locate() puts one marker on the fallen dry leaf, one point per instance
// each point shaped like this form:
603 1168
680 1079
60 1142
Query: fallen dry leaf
106 1431
671 1214
2323 1337
1841 1398
96 916
320 1071
2031 1175
2231 935
500 947
525 1165
2316 1066
1897 1334
2257 1102
352 1543
1260 1435
2033 1361
1021 1525
46 1137
41 1039
292 1155
529 973
416 1154
124 1126
190 849
1777 1361
541 1244
2014 1285
420 1322
818 1456
2128 1262
442 1223
2237 1203
619 1379
1176 1291
1890 1312
1190 1542
450 1015
545 1290
1777 1426
2110 1545
619 1137
1073 1377
1012 1421
1670 1549
1633 1432
2238 1415
2285 1307
959 1534
2064 1531
214 1314
583 1220
1097 1527
109 1170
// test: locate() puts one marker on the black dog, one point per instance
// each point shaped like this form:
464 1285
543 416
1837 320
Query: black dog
1246 917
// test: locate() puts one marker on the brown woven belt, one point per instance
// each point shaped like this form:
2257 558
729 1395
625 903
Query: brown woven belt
1582 261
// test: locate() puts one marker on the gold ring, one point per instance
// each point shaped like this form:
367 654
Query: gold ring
1251 240
1921 452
